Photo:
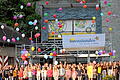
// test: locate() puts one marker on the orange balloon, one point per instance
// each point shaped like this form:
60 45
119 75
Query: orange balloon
16 24
53 32
85 6
93 21
46 21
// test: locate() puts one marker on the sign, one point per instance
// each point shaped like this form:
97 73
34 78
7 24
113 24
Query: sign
83 42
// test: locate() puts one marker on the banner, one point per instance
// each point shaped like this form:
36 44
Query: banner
84 42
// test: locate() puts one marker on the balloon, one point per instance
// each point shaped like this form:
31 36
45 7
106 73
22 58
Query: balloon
97 8
109 4
36 27
20 16
63 49
25 62
17 29
101 14
60 26
94 62
114 51
45 14
23 58
37 35
109 13
44 28
2 26
56 62
54 15
93 18
81 2
105 2
39 50
50 57
21 7
110 29
45 56
34 23
56 20
110 53
53 32
14 17
99 53
51 54
93 21
16 24
107 20
30 38
28 54
54 52
23 35
30 23
46 21
97 5
8 40
96 52
13 40
85 6
46 2
72 39
32 48
53 49
104 52
60 9
59 36
28 4
4 38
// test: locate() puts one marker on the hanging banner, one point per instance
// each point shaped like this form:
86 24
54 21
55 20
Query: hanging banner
83 42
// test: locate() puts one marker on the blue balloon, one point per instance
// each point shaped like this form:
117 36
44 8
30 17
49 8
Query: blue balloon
17 38
101 14
30 23
50 57
22 52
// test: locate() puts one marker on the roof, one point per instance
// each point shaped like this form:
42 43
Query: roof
10 33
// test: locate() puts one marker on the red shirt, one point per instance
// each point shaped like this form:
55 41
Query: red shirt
49 73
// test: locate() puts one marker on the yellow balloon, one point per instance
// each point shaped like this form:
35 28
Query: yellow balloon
93 18
28 54
110 29
32 48
51 54
72 39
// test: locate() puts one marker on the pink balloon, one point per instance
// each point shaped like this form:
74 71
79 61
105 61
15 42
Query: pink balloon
4 38
28 4
14 17
105 2
37 35
107 20
60 9
13 40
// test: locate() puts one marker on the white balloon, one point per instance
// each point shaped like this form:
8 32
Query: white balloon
2 27
17 29
97 5
56 20
59 36
23 35
36 27
96 52
21 7
8 40
56 62
61 51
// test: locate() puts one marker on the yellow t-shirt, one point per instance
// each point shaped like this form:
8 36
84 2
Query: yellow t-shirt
14 73
99 69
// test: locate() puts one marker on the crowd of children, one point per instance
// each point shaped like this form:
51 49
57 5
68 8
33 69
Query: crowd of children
90 71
